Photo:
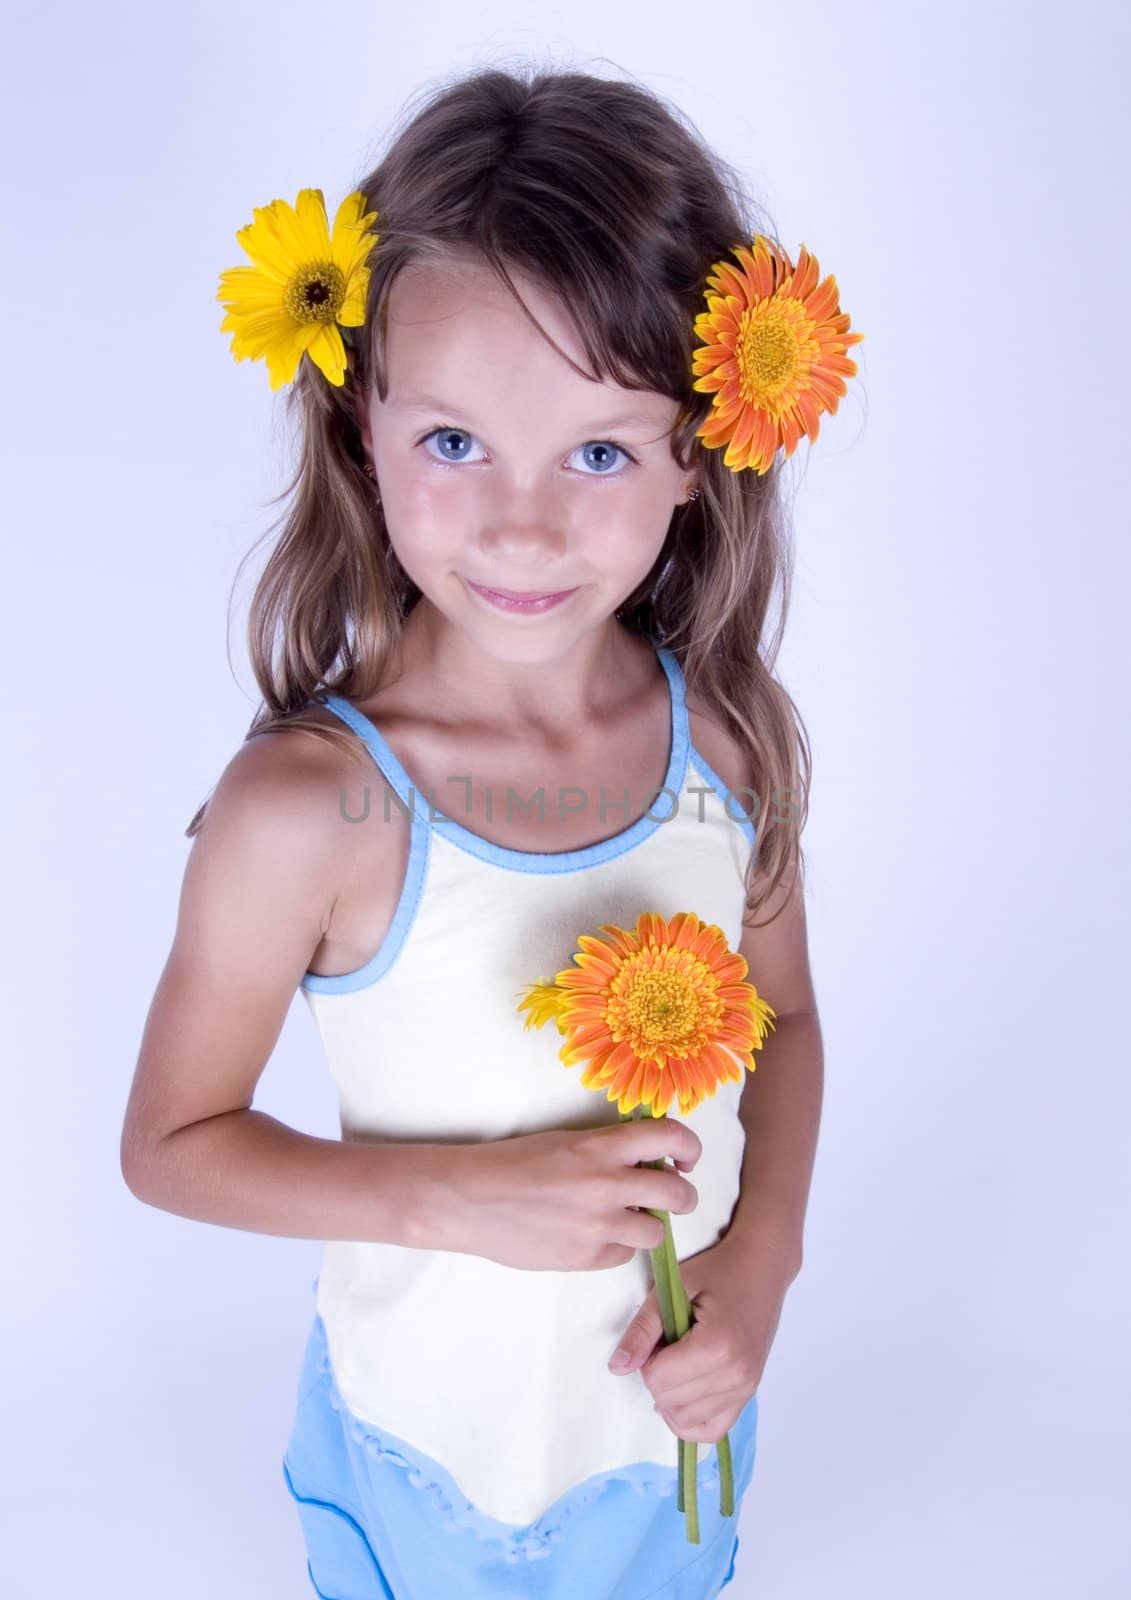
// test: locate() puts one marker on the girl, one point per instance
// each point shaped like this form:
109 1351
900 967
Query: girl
533 542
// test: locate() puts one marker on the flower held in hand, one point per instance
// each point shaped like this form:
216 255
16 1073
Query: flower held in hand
658 1014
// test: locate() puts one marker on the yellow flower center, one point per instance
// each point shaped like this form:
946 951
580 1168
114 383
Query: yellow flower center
773 344
316 292
664 1002
661 1006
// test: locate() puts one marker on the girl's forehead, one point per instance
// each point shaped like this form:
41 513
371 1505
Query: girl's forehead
457 341
432 297
452 330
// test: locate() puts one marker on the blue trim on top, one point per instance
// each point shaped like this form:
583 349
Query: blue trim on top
408 903
532 860
720 788
516 860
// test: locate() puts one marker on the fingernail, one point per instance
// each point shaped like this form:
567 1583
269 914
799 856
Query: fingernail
620 1361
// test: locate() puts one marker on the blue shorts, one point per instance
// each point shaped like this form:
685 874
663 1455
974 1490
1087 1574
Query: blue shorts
382 1522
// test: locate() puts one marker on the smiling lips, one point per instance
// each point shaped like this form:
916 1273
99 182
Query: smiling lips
518 600
522 594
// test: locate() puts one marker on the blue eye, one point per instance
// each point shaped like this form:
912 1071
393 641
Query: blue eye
448 434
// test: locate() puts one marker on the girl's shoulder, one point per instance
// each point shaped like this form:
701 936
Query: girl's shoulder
303 783
296 757
285 784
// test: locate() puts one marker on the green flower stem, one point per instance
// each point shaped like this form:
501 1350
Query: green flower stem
662 1281
726 1477
726 1465
675 1315
681 1308
668 1301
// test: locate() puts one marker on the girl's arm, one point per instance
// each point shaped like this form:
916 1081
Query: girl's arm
780 1106
781 1099
257 899
258 890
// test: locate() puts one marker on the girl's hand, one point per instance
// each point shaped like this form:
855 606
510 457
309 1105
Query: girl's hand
702 1382
569 1200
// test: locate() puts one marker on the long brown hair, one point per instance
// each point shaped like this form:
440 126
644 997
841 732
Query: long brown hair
608 196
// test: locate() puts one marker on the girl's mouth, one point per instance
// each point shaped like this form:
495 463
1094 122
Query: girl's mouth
511 600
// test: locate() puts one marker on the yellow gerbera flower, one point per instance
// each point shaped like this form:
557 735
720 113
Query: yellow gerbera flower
658 1014
305 281
773 354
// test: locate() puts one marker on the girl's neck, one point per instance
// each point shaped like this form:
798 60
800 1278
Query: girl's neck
554 697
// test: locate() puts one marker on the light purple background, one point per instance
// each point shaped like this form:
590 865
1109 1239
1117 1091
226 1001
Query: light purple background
945 1411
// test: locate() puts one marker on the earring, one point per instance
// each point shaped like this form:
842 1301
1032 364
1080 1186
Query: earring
693 494
370 473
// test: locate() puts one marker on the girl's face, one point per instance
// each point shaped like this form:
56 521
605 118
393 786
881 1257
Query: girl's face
499 465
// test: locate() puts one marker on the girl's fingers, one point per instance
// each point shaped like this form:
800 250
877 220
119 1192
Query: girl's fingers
704 1429
681 1414
697 1391
696 1364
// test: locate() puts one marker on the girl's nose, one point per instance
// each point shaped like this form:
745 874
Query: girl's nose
510 541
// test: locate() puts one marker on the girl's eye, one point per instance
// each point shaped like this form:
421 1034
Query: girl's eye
449 438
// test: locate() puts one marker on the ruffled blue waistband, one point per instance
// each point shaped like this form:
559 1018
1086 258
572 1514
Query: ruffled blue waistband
455 1513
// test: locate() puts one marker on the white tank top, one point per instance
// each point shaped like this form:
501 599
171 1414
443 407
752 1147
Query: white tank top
500 1373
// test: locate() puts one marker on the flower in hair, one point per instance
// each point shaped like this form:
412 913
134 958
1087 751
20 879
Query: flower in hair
773 353
306 283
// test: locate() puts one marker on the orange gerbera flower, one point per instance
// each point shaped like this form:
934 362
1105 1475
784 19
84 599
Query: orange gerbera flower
773 354
658 1014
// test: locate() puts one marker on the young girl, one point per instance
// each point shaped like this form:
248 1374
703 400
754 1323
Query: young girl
536 530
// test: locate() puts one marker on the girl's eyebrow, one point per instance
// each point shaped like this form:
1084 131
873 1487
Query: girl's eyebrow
427 402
